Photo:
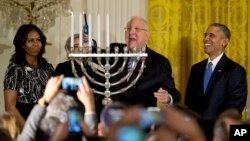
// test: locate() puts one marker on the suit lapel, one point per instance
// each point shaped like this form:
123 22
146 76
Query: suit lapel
135 73
200 75
137 68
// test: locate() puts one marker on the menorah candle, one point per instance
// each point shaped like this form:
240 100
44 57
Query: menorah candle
107 30
90 30
98 31
71 29
80 30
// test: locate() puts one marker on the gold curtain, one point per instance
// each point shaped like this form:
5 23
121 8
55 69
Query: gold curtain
177 28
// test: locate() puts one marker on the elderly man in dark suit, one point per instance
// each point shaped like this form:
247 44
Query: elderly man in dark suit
217 83
156 82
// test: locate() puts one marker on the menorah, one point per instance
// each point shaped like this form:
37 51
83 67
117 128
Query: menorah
103 59
107 66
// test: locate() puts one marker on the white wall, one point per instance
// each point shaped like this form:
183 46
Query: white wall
119 10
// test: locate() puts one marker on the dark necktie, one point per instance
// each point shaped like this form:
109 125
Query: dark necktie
207 76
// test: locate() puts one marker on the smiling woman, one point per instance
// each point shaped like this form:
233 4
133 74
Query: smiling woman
27 73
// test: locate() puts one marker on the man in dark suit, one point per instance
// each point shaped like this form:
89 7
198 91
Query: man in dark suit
227 86
156 82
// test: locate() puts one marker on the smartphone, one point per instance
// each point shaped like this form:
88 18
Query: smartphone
71 83
151 116
75 116
131 133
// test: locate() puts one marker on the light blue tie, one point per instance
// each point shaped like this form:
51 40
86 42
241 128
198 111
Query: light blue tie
207 76
130 63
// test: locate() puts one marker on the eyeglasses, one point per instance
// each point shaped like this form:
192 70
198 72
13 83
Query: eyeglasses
137 29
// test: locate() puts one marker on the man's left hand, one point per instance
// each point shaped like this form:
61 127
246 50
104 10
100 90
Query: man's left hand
162 96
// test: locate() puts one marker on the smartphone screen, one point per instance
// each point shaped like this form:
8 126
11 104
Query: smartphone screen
130 133
75 116
150 117
71 83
